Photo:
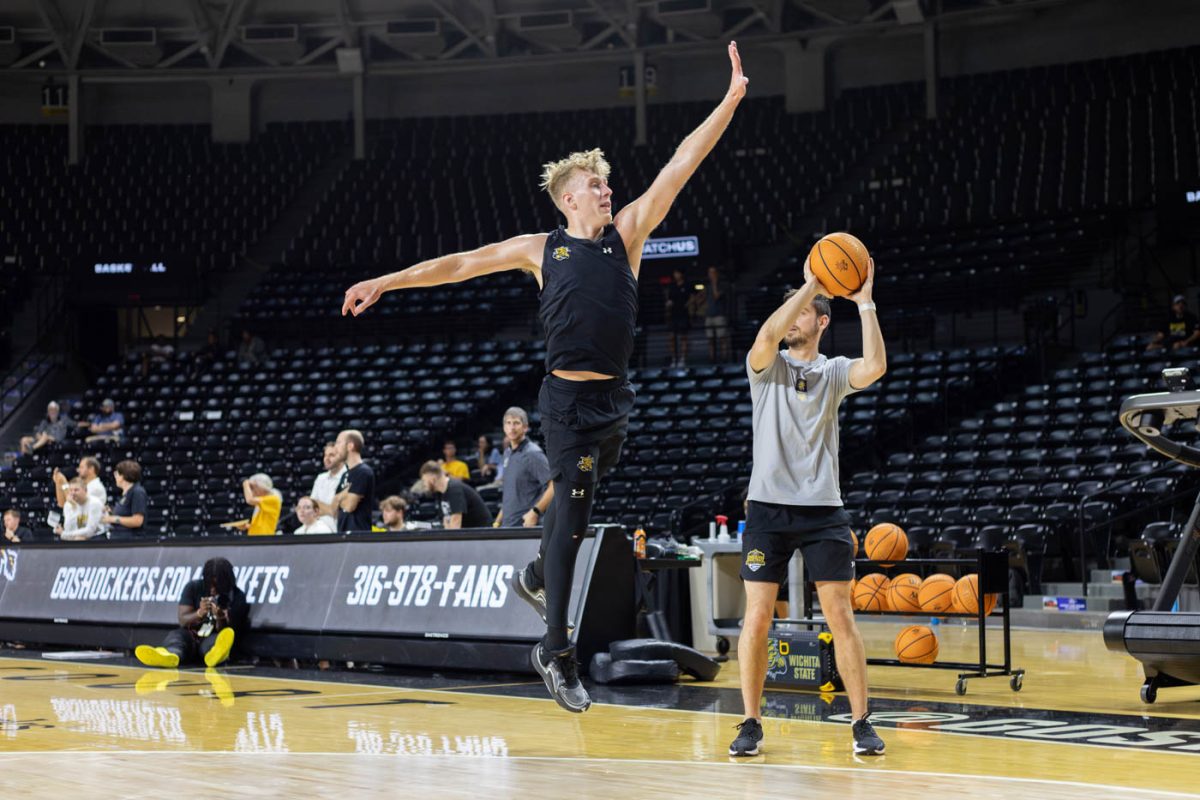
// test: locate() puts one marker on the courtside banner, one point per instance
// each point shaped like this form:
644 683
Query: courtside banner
430 586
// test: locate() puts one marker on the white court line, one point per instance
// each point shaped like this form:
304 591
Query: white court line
807 768
991 738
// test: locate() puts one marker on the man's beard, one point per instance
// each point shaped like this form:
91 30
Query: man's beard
795 340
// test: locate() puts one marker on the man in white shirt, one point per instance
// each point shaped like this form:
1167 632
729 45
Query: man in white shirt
89 471
306 512
325 486
82 514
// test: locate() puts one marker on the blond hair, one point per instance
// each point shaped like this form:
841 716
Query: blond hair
556 174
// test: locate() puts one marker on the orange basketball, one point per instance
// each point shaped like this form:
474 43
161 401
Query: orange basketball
966 596
903 593
854 539
839 262
937 593
916 644
886 542
870 593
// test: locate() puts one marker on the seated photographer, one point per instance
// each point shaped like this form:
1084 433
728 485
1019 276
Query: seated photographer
212 612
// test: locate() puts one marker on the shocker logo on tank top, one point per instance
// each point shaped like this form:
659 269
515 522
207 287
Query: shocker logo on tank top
561 253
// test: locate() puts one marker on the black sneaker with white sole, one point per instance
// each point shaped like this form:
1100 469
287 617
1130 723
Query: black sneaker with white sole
560 671
866 741
524 584
750 736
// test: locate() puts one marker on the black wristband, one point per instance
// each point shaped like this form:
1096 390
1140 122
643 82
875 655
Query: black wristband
535 510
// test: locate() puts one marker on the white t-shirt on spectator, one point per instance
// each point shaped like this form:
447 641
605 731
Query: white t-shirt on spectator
95 488
319 526
82 522
323 489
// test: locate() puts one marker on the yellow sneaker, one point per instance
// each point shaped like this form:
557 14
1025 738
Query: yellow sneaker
220 649
156 656
156 681
221 688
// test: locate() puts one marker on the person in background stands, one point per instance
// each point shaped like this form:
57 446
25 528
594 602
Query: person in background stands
487 461
252 350
129 514
107 426
89 470
325 486
392 509
14 531
454 467
83 515
259 491
1180 328
527 487
357 487
679 320
208 354
310 521
48 431
462 507
714 300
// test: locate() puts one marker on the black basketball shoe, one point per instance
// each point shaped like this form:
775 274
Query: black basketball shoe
866 741
527 588
560 671
750 736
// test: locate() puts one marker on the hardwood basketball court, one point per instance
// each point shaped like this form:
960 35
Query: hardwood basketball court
1077 730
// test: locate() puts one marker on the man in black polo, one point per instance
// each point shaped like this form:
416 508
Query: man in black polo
462 507
527 488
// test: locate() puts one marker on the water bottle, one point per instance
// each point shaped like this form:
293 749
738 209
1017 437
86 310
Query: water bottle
723 523
741 529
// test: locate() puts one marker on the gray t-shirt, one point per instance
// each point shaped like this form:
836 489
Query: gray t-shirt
796 430
526 473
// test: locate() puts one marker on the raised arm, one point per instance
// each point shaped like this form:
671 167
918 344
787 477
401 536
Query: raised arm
639 218
873 364
766 343
520 252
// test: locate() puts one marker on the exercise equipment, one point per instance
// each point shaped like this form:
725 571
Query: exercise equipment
1167 644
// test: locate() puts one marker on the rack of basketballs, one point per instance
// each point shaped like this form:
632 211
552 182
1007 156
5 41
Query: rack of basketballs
891 584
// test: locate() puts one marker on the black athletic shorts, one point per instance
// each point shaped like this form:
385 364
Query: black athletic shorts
584 424
774 532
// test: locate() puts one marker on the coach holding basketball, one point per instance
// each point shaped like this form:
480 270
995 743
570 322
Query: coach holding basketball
794 499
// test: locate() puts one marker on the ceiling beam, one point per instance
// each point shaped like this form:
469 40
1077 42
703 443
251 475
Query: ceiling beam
824 16
229 26
615 23
456 22
81 31
53 22
171 60
204 29
317 52
36 55
346 20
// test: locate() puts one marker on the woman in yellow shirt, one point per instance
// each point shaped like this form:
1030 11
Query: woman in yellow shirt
268 504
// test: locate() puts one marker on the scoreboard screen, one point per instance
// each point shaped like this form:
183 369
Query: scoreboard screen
132 281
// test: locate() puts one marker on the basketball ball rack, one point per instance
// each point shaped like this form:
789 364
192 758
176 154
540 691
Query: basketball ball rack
992 568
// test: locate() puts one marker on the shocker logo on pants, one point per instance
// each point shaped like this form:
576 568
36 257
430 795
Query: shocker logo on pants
585 464
755 560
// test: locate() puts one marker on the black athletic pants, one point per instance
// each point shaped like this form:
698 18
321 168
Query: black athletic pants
182 643
584 424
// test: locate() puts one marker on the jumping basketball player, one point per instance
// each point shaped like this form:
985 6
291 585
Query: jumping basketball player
589 302
794 498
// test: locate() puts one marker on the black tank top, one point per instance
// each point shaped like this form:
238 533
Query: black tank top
589 303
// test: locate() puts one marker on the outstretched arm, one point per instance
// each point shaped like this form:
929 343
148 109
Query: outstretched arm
873 364
639 218
519 252
766 343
